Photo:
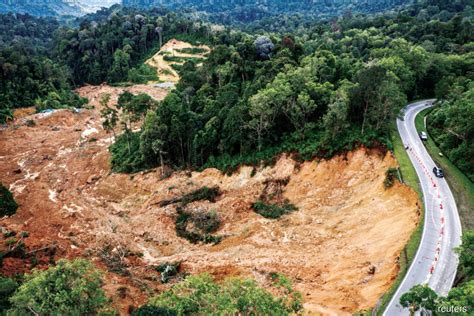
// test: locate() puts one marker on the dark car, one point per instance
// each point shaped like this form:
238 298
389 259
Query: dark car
438 172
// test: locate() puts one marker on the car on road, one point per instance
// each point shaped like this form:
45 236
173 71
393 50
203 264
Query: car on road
438 172
423 136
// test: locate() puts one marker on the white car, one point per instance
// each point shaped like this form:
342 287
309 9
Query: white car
423 136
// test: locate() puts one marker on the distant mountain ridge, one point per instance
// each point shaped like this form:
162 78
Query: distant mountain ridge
54 7
313 7
90 6
41 7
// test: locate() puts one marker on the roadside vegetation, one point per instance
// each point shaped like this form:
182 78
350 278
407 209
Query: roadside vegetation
460 297
459 183
410 178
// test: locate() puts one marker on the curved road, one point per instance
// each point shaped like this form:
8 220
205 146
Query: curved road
435 262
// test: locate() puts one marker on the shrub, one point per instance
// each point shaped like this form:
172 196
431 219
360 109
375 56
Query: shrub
124 153
8 233
204 223
69 288
208 222
7 288
179 59
390 177
8 206
166 72
202 230
30 123
142 74
60 100
148 310
113 256
273 211
200 295
6 114
204 193
177 67
466 257
192 50
168 270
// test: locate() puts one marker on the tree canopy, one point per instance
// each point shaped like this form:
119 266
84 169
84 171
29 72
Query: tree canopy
69 288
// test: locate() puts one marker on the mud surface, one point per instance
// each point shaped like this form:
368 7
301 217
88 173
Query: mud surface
340 247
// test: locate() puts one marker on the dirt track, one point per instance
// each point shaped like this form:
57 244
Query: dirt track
166 73
339 249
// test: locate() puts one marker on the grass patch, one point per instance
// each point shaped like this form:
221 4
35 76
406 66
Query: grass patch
459 183
177 67
192 50
180 59
204 193
273 211
196 226
390 177
142 74
203 225
166 72
408 253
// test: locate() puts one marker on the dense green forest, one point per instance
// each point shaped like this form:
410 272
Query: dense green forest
245 11
452 127
335 86
30 74
283 83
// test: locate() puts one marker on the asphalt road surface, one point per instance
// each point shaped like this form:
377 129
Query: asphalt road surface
435 262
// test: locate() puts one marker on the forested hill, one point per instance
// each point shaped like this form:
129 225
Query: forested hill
250 10
41 7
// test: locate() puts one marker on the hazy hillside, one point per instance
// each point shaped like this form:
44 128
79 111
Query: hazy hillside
40 7
248 10
90 6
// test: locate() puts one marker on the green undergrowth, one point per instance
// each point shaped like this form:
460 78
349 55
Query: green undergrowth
460 185
192 50
410 178
315 145
181 59
127 157
196 225
273 211
8 205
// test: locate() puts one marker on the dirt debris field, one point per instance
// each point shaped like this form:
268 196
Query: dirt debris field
340 247
166 72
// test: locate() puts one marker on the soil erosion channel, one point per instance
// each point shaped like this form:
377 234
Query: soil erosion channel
340 247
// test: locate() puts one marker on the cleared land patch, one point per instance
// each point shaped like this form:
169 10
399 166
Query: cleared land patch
173 55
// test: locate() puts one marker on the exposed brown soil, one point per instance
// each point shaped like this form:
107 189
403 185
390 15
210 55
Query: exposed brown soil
340 247
165 71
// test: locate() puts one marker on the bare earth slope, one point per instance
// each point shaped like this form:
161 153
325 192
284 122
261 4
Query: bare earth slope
340 248
171 48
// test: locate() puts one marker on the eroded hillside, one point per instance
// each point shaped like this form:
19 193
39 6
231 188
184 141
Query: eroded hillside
173 55
340 247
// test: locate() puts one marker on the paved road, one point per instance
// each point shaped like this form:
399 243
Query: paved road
435 262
